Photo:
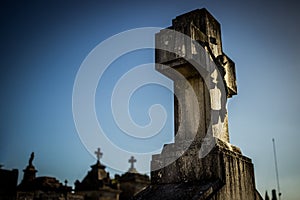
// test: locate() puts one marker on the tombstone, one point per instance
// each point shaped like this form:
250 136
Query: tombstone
97 184
132 182
132 169
201 163
98 154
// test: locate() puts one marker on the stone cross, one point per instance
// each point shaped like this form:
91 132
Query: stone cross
190 53
200 163
132 161
98 154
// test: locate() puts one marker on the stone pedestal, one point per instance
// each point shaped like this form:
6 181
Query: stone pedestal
29 173
223 174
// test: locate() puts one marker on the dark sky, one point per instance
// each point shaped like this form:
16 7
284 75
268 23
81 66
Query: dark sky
43 44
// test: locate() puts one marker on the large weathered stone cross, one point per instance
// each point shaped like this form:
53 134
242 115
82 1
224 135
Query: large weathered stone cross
132 161
98 154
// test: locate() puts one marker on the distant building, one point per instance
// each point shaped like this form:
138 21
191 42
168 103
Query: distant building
97 184
42 188
8 184
132 182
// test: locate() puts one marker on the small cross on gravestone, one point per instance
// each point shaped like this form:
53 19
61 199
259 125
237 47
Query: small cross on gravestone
132 160
98 154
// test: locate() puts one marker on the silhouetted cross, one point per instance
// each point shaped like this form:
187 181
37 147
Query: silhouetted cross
98 154
132 161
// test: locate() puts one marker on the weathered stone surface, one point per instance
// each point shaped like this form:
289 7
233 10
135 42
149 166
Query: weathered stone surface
182 191
203 28
223 174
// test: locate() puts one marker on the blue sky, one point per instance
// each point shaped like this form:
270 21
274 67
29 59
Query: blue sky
44 43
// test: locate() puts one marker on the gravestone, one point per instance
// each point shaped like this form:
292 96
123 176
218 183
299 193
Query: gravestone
132 169
201 163
132 182
97 184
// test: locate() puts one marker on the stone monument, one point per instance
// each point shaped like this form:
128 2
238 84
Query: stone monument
42 187
132 182
97 185
201 163
132 169
30 171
